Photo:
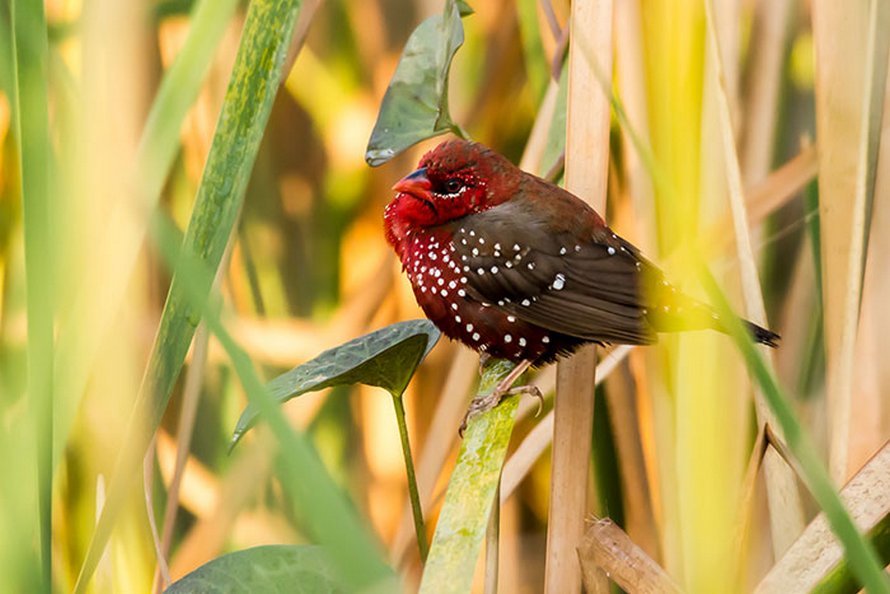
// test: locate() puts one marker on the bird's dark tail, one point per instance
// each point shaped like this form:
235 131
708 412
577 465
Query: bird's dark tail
762 335
679 312
673 311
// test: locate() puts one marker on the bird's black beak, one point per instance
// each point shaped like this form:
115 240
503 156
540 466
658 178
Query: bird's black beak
416 184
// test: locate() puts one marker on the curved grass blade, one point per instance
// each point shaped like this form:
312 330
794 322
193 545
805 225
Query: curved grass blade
248 102
386 358
471 490
99 296
267 569
860 553
329 518
415 106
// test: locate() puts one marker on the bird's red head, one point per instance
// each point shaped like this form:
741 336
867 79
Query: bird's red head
455 179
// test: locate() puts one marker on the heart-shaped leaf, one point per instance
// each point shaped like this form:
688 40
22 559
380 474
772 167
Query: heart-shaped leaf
386 358
415 106
271 569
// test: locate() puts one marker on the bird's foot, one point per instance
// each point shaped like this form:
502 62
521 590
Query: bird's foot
502 390
489 401
484 358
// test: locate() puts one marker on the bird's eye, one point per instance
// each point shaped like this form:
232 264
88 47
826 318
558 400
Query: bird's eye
453 185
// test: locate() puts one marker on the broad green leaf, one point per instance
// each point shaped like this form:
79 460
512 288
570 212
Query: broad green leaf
272 569
386 358
415 106
471 491
255 79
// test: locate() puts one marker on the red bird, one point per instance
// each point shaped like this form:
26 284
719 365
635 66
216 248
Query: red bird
518 268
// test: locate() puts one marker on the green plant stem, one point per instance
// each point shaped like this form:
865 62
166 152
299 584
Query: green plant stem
32 131
860 553
413 492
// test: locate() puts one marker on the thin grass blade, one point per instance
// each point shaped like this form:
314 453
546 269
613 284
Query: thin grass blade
248 102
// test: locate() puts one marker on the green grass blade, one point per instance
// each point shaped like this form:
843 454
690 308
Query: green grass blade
81 337
255 80
860 553
32 131
178 91
536 67
471 490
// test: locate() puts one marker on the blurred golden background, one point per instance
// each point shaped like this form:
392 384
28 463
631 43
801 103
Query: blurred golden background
308 268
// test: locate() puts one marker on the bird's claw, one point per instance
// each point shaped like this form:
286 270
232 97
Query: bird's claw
492 399
484 358
479 405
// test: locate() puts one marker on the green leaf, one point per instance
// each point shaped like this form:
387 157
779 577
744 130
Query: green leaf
264 570
415 106
471 491
386 358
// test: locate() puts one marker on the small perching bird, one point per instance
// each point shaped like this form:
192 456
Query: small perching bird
518 268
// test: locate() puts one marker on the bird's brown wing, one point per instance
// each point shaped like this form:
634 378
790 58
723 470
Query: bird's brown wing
584 284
